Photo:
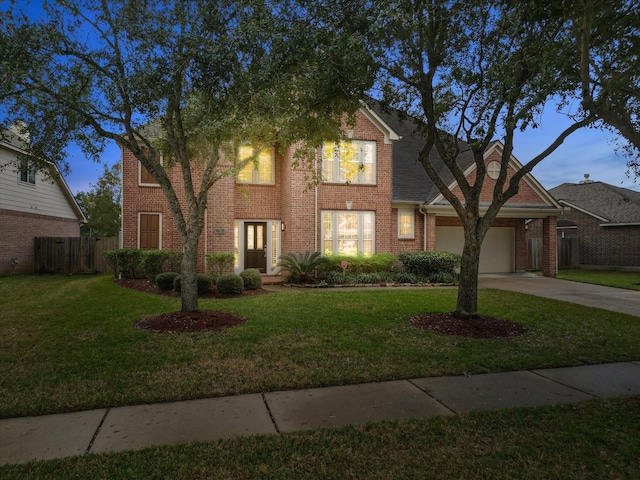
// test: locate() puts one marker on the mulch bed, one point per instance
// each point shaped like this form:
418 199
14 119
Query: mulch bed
207 320
186 322
479 326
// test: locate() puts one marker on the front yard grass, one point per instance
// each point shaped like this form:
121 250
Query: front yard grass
69 343
594 439
609 278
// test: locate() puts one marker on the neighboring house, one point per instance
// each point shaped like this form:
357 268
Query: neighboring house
604 218
31 205
375 197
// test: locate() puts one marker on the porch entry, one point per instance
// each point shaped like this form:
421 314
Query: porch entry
255 245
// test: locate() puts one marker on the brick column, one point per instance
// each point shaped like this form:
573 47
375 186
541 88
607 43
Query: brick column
431 231
521 246
549 248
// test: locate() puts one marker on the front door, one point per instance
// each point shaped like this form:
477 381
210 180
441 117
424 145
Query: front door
255 246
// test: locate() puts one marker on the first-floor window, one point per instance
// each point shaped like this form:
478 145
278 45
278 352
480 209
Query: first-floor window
348 232
405 223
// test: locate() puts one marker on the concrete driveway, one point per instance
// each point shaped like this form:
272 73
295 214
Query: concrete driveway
608 298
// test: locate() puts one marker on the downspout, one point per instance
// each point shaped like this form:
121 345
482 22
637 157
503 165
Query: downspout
315 209
424 233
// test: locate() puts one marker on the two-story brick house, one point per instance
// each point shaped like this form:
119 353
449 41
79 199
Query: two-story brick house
374 197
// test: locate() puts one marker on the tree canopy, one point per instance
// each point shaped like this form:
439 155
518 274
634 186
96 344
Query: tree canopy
181 80
101 204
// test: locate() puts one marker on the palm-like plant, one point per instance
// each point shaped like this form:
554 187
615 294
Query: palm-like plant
300 265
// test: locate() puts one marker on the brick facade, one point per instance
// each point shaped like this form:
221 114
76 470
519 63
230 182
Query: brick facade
605 246
18 231
292 206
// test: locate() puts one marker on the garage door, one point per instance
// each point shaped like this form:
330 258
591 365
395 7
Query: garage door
497 254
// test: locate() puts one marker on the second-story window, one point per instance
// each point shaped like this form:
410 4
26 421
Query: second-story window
27 172
260 167
349 162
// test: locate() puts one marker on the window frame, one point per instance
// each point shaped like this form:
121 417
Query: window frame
336 167
159 215
336 238
255 168
154 183
491 168
28 171
412 214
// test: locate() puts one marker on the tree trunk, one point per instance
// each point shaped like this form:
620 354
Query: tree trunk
188 269
467 304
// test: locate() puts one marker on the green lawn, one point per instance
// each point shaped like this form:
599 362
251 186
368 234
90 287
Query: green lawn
69 343
610 278
591 440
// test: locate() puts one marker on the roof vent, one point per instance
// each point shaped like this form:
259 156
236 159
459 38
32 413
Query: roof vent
586 179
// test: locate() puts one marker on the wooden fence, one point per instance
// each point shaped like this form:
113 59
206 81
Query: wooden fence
567 251
71 255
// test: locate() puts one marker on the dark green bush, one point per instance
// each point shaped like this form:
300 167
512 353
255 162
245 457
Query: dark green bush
378 262
204 283
124 261
252 279
406 277
165 280
430 264
153 263
220 263
230 284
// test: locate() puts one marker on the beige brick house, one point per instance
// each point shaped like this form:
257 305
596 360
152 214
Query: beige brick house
374 197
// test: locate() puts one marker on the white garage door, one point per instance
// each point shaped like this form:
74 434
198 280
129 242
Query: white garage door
497 254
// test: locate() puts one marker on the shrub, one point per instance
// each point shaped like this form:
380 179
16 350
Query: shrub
252 279
406 277
123 261
152 262
220 263
204 283
430 264
300 265
230 284
378 262
165 280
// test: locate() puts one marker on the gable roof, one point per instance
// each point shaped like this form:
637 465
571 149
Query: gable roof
607 203
411 184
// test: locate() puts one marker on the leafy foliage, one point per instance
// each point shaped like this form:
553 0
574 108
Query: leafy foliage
204 283
124 261
252 279
165 280
154 262
436 267
101 204
230 284
300 266
361 263
220 263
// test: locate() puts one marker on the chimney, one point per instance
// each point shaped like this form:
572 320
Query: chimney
586 179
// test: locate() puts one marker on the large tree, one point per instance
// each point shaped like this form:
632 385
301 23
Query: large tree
182 80
101 204
477 70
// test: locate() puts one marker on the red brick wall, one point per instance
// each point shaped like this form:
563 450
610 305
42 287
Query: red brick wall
18 230
526 194
549 247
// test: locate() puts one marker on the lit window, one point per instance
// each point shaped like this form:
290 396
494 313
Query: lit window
27 172
260 165
348 232
349 162
405 223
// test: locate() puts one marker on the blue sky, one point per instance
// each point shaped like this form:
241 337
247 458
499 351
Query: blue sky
586 151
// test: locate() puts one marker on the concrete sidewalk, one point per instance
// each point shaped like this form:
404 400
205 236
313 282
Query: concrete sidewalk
141 426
